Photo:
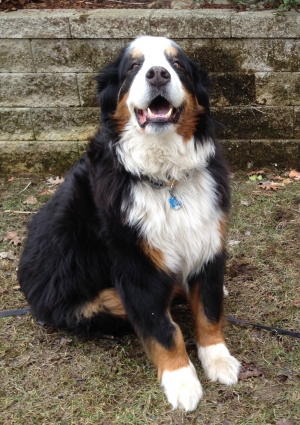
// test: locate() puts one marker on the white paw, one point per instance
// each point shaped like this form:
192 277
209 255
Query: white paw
182 388
218 364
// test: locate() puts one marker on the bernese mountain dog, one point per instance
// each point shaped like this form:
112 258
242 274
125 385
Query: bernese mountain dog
141 217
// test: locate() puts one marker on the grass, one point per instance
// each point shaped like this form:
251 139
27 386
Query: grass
48 377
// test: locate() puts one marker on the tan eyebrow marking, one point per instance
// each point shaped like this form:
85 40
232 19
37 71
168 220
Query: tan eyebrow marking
136 53
171 51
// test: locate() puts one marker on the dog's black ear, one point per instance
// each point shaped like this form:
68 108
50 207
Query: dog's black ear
200 84
108 84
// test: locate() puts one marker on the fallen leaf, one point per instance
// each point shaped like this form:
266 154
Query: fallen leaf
294 174
277 178
287 181
251 173
14 238
249 370
231 242
8 255
255 177
64 341
56 180
30 201
11 179
285 422
257 192
271 185
47 192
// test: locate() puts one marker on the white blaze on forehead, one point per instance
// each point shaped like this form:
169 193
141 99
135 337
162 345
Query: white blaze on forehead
153 50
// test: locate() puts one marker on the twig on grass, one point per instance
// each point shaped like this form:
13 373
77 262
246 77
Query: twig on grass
25 188
19 212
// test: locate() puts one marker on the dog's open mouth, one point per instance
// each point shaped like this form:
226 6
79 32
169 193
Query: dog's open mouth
160 110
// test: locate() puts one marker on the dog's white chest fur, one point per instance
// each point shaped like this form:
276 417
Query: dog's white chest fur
188 237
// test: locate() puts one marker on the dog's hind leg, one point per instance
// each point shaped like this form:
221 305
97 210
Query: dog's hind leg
206 300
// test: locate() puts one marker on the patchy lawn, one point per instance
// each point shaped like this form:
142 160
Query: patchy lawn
48 377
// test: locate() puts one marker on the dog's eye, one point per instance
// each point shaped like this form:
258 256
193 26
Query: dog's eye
135 66
177 64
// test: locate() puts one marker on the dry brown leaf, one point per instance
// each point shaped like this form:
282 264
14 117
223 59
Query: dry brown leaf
285 422
30 201
11 179
252 173
271 186
294 174
47 192
249 370
257 192
287 181
56 180
7 255
14 238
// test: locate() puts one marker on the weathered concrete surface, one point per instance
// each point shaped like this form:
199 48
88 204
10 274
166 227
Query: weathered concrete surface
87 89
55 90
65 123
48 60
255 55
200 50
260 153
229 89
16 124
277 88
39 157
297 122
190 23
240 122
110 23
35 24
265 25
74 55
15 56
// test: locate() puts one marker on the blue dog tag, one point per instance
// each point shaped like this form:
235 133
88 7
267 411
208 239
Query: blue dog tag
175 204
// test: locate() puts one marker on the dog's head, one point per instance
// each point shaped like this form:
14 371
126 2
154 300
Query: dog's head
155 88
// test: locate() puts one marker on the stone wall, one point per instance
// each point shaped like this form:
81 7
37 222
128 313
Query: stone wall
48 60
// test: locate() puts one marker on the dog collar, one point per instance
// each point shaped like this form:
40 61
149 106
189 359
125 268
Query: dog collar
159 184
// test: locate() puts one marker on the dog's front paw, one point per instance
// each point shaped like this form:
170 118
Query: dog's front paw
182 388
218 364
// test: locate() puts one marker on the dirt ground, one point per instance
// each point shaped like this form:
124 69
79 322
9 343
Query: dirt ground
48 377
11 5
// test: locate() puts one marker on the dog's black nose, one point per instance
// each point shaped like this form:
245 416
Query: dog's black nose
158 76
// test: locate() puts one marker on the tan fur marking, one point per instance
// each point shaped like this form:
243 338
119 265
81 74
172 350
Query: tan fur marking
136 53
164 359
223 230
171 51
206 333
190 117
107 301
121 115
155 255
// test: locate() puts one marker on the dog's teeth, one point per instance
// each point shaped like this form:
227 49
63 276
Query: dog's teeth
150 113
170 112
